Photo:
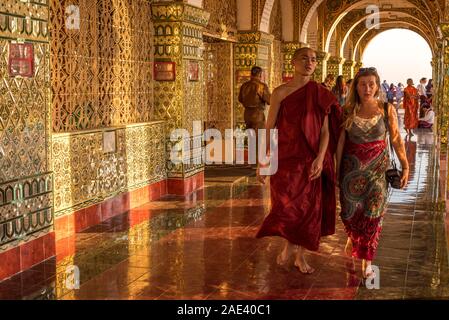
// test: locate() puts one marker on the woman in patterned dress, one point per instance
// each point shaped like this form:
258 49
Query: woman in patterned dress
362 159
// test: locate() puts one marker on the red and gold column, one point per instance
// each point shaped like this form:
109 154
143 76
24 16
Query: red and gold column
252 49
179 87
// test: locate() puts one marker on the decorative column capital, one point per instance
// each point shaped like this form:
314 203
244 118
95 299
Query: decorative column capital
178 30
322 55
255 37
290 46
179 12
252 49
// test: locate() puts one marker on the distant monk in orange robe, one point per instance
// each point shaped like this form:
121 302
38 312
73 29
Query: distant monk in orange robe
411 106
303 204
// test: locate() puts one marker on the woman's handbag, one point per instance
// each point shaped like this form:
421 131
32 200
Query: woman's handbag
392 175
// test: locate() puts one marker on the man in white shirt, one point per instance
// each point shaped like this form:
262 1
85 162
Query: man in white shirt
428 119
399 95
422 90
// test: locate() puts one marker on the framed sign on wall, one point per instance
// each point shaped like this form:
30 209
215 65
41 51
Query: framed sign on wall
164 71
21 59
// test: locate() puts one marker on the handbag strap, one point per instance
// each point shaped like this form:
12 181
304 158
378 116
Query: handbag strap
387 125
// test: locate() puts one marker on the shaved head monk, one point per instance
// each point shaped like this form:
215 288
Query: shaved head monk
303 205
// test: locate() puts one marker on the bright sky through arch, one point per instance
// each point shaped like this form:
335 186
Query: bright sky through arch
399 54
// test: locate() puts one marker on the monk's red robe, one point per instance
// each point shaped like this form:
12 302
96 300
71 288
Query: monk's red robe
302 210
411 108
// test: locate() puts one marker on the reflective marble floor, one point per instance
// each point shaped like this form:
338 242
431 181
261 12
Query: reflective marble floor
203 247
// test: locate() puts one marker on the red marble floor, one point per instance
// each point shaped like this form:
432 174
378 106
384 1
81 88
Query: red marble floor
203 247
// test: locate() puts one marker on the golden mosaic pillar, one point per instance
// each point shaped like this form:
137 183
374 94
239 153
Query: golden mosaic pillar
252 49
444 90
442 93
178 79
348 69
443 108
436 75
288 49
335 65
321 68
440 101
26 185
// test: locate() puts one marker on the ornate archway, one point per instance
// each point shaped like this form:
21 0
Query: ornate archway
359 25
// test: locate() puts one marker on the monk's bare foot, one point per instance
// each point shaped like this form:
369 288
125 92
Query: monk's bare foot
284 256
301 263
348 247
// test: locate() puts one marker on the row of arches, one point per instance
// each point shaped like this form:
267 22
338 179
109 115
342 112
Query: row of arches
343 28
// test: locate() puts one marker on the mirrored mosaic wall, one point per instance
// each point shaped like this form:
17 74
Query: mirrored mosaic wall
101 54
25 210
25 184
86 171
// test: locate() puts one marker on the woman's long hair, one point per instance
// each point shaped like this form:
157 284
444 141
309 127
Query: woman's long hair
352 106
339 85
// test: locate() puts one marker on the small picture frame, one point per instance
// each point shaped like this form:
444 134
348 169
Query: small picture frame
194 69
21 60
164 71
109 142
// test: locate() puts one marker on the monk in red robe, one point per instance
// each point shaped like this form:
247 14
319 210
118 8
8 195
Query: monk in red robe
411 107
308 119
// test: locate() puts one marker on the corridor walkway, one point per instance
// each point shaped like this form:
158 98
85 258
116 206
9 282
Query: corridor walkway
204 248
